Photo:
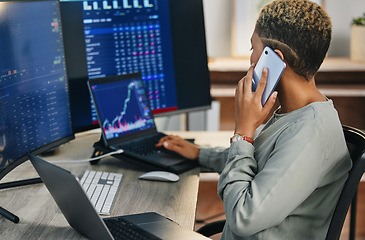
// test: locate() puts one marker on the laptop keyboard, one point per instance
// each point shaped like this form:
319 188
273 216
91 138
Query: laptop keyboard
122 229
144 147
101 188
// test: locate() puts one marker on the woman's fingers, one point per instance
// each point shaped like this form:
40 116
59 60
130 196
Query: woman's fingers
262 83
248 80
180 146
167 138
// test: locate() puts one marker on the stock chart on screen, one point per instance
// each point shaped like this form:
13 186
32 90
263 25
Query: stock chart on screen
122 107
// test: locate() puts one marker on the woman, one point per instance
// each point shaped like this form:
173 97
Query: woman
285 183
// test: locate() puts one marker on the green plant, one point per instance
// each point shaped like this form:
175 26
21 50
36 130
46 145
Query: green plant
359 20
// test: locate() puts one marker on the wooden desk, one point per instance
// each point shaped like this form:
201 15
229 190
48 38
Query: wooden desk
40 218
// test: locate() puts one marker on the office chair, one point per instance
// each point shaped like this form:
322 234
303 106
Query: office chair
355 140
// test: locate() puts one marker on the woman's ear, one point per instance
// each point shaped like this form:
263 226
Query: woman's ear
281 55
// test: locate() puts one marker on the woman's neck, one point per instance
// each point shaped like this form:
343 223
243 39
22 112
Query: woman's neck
296 92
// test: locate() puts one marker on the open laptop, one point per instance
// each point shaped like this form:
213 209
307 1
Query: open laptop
127 123
81 215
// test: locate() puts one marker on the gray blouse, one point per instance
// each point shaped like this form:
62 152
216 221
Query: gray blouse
285 185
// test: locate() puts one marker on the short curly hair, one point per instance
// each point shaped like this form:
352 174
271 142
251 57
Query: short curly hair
301 29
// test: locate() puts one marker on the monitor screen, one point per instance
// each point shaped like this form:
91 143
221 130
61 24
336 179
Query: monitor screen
122 105
164 40
34 101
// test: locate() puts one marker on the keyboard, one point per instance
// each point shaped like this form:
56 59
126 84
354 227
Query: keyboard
101 188
121 229
144 147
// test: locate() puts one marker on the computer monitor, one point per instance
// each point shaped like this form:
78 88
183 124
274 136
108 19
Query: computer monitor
164 40
34 102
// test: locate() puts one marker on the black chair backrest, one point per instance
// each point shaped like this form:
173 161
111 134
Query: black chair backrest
355 140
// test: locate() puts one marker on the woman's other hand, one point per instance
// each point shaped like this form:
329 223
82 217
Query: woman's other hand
180 146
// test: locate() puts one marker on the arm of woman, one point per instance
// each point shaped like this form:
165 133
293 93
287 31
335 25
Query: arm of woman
212 158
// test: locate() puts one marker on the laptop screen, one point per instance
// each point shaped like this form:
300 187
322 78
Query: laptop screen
122 105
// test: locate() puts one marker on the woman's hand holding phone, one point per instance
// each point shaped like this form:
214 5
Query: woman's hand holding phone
249 112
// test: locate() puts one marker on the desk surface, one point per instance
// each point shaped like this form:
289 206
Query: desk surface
40 218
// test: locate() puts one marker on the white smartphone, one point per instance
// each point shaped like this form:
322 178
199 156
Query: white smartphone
276 67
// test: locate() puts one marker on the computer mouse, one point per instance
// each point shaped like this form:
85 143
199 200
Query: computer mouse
162 176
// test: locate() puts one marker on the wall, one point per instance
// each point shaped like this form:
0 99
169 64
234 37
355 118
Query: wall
217 15
218 21
218 18
341 13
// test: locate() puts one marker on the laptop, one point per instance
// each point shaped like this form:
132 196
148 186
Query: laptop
82 216
127 122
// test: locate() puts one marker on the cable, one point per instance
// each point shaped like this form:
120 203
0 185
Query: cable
90 159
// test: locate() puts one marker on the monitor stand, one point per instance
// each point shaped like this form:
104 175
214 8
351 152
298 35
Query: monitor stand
6 213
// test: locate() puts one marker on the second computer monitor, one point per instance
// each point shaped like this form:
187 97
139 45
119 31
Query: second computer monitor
34 101
164 40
